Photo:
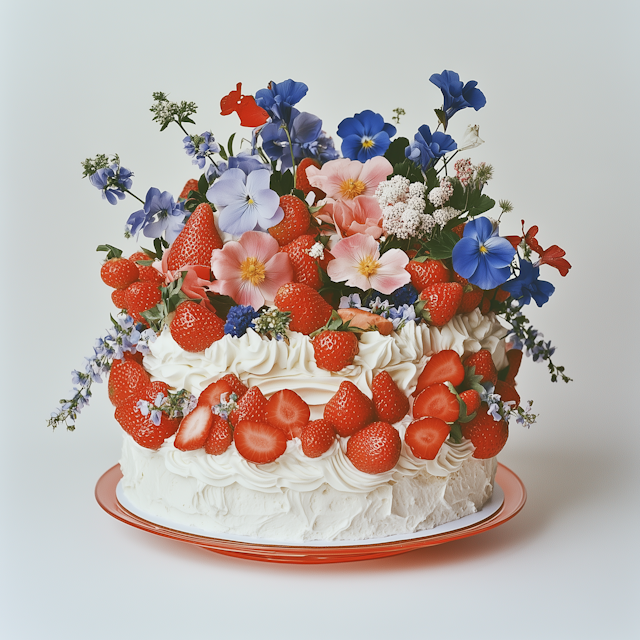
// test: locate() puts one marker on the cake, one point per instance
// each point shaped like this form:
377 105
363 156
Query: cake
318 348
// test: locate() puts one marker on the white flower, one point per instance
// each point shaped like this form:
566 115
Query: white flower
317 250
471 138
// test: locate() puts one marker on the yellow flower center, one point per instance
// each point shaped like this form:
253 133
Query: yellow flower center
483 249
253 270
368 266
367 143
351 188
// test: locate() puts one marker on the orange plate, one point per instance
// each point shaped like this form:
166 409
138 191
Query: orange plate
515 496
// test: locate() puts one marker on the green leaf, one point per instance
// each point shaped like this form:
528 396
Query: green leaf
484 203
441 247
298 194
203 185
222 153
456 433
458 199
230 144
442 117
281 183
432 179
112 252
395 152
408 169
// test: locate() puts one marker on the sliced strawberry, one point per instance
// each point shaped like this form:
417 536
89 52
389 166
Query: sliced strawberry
220 436
251 406
487 435
259 442
126 379
483 363
236 385
317 438
437 401
211 395
425 437
390 403
194 429
375 449
444 366
349 410
471 398
288 411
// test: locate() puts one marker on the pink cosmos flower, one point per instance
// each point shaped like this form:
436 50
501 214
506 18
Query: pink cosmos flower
251 270
196 281
346 179
357 260
360 215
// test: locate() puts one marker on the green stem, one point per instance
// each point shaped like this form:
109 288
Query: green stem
293 160
134 195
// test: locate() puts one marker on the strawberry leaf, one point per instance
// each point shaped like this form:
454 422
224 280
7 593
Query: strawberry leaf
456 433
112 252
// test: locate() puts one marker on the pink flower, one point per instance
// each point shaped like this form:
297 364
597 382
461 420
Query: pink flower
360 215
196 282
357 260
346 179
251 270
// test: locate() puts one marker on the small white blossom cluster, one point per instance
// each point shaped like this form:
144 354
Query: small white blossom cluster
442 216
317 250
439 195
402 203
464 170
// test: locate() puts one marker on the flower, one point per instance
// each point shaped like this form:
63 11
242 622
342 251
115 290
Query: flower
196 280
245 202
360 215
278 98
481 256
239 319
346 179
113 181
251 270
471 138
200 146
456 96
365 136
357 261
427 147
526 285
160 215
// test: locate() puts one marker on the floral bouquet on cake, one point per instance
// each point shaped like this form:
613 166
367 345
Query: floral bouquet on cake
288 234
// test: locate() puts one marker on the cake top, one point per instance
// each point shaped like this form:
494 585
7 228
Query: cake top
290 237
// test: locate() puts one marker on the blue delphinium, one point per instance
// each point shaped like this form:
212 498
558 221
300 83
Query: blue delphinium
161 214
406 294
279 97
527 285
456 95
304 131
113 181
199 146
482 256
239 319
365 136
428 147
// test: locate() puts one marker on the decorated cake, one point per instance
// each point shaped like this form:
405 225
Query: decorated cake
317 344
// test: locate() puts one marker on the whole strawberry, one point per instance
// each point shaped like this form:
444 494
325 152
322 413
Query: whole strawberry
147 272
334 350
487 435
118 297
195 328
119 273
375 449
317 438
424 274
302 181
141 428
190 185
141 296
295 222
390 403
471 295
126 379
196 241
220 437
305 268
442 302
483 363
349 410
309 311
252 406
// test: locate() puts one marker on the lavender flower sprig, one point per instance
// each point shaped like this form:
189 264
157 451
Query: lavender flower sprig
500 410
175 405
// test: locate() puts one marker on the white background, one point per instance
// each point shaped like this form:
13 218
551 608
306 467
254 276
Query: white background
561 130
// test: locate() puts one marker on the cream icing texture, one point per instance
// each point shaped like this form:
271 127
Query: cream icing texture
301 498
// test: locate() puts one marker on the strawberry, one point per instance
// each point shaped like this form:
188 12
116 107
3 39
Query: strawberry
437 401
302 181
375 449
444 366
147 272
211 395
236 385
425 437
514 356
153 389
483 362
471 399
501 294
471 295
140 427
442 300
194 429
259 442
390 403
349 410
287 411
487 435
317 438
309 311
251 406
459 229
305 268
424 274
126 379
334 350
196 241
295 222
119 273
361 319
195 328
141 296
220 436
507 393
127 356
191 185
118 298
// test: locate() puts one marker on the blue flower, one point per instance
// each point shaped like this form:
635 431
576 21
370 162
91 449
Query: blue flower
278 98
160 215
527 285
407 294
245 202
206 144
481 256
428 146
365 136
239 319
113 181
456 96
304 131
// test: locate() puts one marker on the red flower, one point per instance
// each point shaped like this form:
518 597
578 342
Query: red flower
553 256
251 115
